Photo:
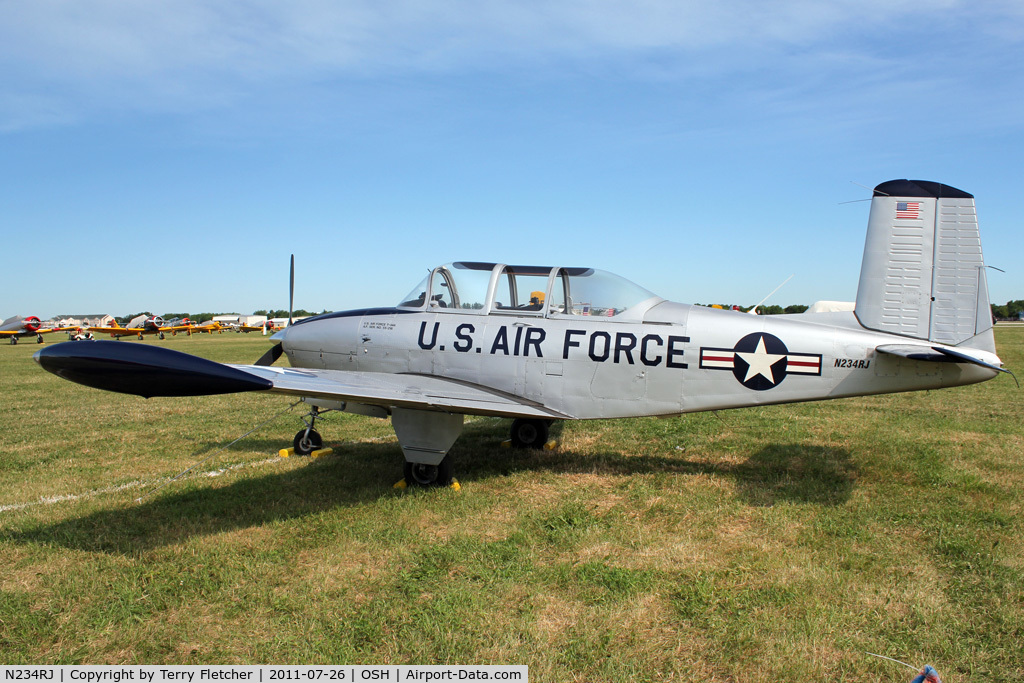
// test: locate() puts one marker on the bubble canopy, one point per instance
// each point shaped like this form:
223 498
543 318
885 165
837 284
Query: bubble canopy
544 291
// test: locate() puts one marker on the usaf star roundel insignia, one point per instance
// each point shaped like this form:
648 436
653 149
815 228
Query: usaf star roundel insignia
760 361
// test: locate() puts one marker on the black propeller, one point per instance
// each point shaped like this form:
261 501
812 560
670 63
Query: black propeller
272 354
275 351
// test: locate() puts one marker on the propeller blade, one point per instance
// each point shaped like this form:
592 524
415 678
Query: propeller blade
272 354
291 290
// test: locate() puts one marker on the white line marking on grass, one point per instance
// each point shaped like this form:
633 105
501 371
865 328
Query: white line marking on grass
72 497
52 500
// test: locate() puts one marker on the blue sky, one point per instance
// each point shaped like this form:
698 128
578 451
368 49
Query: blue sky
169 156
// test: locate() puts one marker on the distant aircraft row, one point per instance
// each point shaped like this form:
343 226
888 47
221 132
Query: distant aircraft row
17 327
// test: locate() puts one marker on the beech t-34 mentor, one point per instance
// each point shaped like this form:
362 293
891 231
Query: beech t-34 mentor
539 344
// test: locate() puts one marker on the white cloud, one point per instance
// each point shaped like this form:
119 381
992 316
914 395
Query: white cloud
63 56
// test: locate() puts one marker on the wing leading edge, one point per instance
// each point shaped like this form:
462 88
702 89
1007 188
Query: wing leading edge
400 391
150 371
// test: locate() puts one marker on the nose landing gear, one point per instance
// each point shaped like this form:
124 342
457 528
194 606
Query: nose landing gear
308 440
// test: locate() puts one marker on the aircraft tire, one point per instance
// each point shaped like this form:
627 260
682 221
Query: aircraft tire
528 433
305 445
14 341
418 474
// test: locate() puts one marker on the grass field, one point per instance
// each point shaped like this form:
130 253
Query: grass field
766 544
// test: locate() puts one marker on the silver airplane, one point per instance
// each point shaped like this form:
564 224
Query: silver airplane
539 344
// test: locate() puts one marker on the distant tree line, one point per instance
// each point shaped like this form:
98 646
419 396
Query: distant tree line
779 310
1011 310
762 310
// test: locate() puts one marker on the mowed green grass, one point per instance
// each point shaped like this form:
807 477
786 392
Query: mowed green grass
766 544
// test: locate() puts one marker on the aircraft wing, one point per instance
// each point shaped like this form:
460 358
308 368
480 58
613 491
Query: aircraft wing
112 330
29 333
148 370
401 391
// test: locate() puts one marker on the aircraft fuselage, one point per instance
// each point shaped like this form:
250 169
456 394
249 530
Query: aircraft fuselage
679 358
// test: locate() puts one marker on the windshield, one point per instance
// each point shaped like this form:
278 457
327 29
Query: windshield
417 296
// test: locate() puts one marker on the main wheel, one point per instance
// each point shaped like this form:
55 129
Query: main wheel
418 474
529 433
305 443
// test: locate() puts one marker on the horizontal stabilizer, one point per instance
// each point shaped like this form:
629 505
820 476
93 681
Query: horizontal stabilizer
938 354
144 370
966 358
915 352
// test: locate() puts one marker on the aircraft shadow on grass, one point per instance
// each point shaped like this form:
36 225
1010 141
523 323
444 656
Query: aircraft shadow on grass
362 473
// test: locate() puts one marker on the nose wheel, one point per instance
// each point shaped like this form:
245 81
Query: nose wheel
308 440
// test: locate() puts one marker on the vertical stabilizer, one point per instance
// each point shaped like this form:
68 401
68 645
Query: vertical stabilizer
923 275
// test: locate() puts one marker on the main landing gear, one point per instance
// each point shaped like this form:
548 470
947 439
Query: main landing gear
14 339
422 474
425 436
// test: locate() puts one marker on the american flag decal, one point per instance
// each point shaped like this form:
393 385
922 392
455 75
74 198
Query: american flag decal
908 211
